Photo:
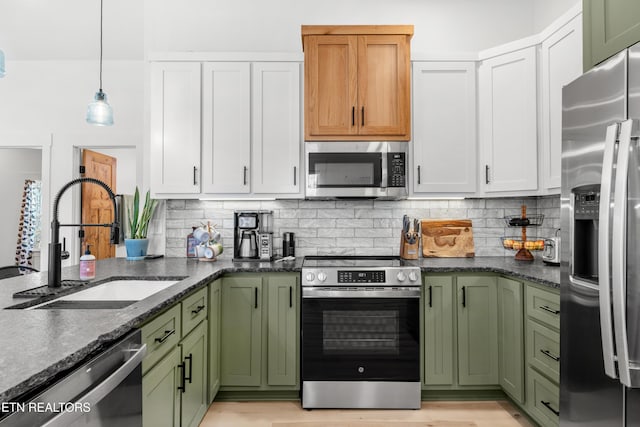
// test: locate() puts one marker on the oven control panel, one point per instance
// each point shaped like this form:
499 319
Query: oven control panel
359 276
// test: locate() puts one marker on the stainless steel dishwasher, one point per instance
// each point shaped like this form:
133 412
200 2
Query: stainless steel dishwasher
106 391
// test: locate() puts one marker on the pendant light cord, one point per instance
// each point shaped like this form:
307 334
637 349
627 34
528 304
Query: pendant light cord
100 45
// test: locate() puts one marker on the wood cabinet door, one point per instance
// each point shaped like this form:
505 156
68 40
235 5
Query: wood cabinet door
609 26
282 330
444 127
241 331
175 127
330 86
510 337
226 131
194 357
383 86
160 394
214 338
438 330
477 330
275 150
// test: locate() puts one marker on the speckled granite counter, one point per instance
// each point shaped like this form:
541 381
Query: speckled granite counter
38 344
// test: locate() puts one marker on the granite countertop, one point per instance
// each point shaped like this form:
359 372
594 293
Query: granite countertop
39 344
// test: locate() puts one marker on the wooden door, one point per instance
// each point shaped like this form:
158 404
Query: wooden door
383 86
511 337
438 330
330 86
283 330
97 207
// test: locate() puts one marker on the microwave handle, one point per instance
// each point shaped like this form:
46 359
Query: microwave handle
385 174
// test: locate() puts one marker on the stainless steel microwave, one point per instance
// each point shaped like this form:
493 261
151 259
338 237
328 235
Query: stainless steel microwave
376 170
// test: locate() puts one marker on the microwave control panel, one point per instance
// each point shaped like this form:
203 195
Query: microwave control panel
396 166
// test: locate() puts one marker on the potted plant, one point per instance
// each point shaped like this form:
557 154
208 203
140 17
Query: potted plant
138 222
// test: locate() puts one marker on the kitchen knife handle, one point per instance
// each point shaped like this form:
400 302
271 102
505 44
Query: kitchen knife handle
255 297
183 380
244 176
418 174
363 115
430 296
190 359
353 116
548 405
290 296
464 296
486 174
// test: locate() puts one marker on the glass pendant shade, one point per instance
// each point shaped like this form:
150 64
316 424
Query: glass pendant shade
2 69
99 111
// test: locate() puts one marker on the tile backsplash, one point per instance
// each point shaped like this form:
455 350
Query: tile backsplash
353 227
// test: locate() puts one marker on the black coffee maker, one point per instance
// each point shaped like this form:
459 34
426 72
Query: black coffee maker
248 226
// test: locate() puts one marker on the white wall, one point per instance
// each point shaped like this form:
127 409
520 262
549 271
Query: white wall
16 165
547 11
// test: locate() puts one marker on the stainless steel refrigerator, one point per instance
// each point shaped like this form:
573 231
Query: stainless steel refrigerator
600 265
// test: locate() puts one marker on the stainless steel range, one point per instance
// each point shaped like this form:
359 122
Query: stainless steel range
360 333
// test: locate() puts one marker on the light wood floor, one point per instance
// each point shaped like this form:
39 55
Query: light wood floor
432 414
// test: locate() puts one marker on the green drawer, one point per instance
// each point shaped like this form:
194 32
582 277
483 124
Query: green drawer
542 399
161 335
543 306
543 350
194 310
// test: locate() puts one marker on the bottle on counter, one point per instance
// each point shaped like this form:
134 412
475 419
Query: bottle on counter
87 265
192 242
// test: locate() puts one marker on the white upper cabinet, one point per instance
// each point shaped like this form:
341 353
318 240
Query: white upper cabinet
275 126
561 63
175 128
444 127
507 122
226 127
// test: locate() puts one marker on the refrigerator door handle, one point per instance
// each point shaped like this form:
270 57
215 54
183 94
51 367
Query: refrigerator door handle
604 279
619 254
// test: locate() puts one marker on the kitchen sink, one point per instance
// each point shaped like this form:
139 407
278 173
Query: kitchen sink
114 293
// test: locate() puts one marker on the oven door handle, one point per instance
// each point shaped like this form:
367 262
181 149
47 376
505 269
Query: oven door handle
407 292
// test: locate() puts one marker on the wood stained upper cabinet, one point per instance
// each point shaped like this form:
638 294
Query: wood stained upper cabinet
357 83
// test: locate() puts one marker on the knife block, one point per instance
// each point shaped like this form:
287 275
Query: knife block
409 250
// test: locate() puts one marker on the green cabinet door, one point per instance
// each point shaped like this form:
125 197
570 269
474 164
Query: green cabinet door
477 330
194 357
282 329
510 337
608 27
438 330
160 394
214 338
241 331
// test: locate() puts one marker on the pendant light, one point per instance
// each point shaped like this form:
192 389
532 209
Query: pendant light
99 111
2 69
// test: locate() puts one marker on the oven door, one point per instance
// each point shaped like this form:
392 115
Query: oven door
359 338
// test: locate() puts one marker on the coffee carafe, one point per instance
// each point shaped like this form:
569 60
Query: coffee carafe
248 244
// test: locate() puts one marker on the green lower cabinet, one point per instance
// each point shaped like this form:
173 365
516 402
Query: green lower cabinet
542 399
511 337
283 329
160 394
241 331
194 402
438 324
477 330
214 338
608 27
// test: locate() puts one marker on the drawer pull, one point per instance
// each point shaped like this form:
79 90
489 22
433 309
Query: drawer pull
166 335
198 309
548 405
549 355
549 309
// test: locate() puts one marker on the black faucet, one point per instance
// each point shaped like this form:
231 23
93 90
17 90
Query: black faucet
55 249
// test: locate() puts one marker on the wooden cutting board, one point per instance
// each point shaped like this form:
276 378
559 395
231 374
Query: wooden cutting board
447 238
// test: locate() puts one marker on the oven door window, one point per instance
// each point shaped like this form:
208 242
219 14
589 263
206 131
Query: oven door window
373 339
338 170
